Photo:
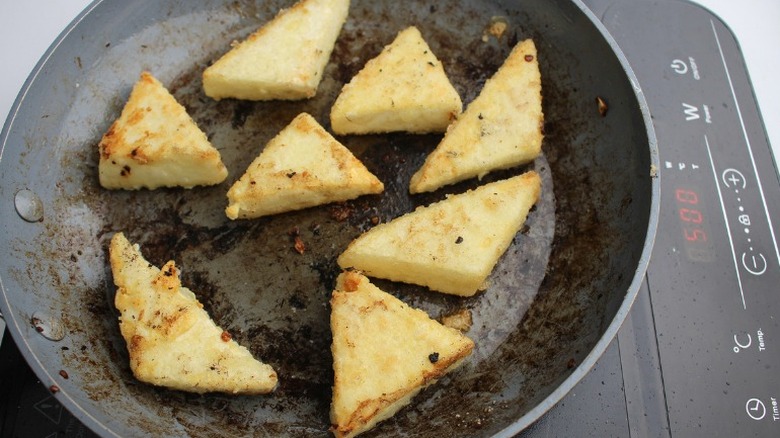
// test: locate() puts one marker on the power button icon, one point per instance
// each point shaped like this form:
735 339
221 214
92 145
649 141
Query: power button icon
755 409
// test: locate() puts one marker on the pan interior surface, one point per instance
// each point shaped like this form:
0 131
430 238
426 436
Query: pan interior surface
551 298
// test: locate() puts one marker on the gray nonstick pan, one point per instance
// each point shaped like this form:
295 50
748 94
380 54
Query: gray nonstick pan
556 297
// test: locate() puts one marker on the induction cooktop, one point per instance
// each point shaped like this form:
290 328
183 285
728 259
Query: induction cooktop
698 355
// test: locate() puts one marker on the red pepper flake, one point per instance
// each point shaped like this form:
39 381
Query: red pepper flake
299 246
225 336
602 106
433 357
64 374
529 58
341 212
374 220
54 389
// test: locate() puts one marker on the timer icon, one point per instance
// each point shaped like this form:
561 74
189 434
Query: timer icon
755 409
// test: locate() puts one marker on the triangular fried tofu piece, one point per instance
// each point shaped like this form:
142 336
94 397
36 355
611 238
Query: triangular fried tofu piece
154 143
171 340
450 246
301 167
284 59
404 88
384 353
501 128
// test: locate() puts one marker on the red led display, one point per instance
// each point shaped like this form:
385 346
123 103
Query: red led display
692 221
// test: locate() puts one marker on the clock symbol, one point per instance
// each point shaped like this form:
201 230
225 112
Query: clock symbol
755 409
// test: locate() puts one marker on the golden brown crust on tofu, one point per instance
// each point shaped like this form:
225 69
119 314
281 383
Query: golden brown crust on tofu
170 339
384 353
404 88
450 246
284 59
501 128
154 143
303 166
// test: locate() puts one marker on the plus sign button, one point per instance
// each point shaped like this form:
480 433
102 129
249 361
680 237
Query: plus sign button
733 178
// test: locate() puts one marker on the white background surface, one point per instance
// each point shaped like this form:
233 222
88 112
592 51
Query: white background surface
28 27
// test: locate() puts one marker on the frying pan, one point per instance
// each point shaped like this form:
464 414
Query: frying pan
555 300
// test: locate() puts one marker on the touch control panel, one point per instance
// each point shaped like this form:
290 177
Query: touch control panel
714 277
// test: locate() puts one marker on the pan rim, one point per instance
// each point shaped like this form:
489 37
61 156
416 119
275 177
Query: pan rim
639 275
14 325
